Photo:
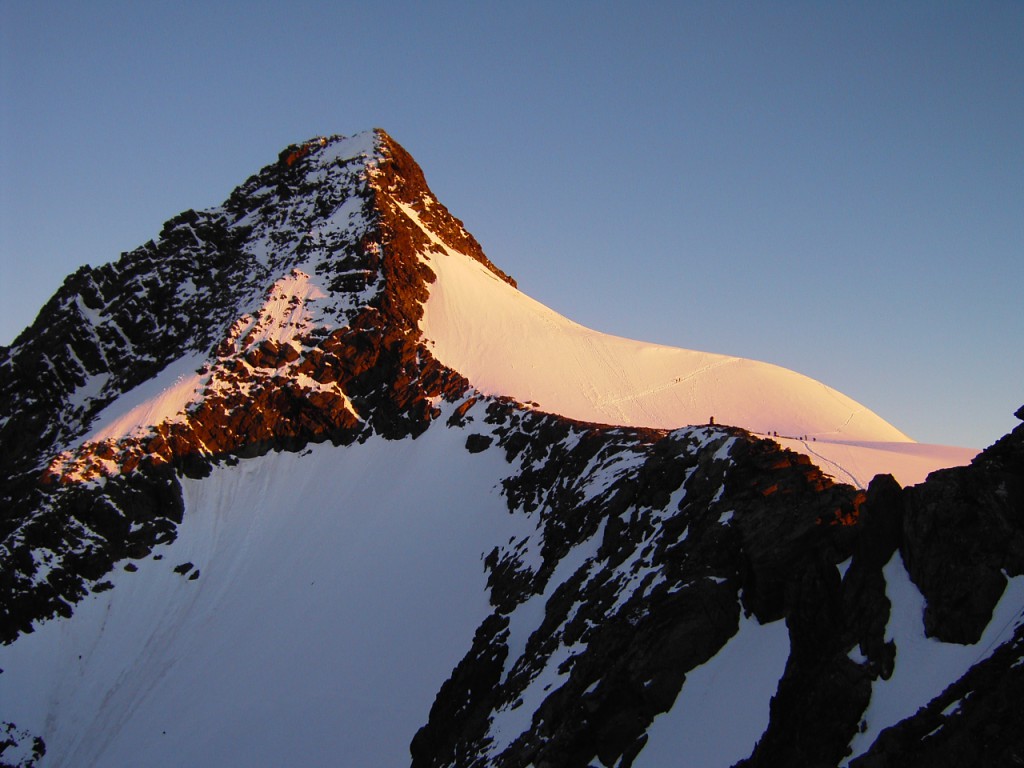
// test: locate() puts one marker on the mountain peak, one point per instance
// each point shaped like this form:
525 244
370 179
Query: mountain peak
330 207
342 236
401 179
393 176
296 424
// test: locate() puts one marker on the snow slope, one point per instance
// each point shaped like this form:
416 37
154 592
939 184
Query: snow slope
506 343
328 555
856 462
723 708
161 398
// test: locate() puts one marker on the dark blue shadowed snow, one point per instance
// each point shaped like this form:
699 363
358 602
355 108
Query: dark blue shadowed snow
337 591
723 708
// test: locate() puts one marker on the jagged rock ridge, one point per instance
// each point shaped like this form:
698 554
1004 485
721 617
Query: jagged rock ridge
279 375
290 317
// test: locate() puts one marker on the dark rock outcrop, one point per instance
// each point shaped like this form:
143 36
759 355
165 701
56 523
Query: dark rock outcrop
369 374
964 535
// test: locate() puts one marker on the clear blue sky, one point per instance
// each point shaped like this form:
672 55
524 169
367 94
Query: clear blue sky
834 187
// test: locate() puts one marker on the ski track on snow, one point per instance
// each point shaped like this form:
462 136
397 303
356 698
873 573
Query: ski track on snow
856 482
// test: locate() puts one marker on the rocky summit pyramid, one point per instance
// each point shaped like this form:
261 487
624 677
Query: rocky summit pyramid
306 480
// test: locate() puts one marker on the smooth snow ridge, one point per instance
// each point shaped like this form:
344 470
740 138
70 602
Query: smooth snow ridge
506 343
856 462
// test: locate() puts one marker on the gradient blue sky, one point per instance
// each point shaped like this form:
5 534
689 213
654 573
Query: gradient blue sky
833 187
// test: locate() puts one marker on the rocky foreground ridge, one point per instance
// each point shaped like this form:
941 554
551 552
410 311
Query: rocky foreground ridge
298 300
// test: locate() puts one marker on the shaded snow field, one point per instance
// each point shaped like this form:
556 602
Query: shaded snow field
924 666
338 588
723 708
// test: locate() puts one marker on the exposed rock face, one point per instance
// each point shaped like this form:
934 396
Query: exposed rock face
674 534
656 559
352 369
963 537
299 299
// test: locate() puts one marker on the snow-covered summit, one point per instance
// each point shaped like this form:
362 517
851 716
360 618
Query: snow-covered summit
344 233
310 458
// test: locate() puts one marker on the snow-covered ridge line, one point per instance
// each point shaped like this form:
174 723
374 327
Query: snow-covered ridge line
565 368
559 365
591 376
